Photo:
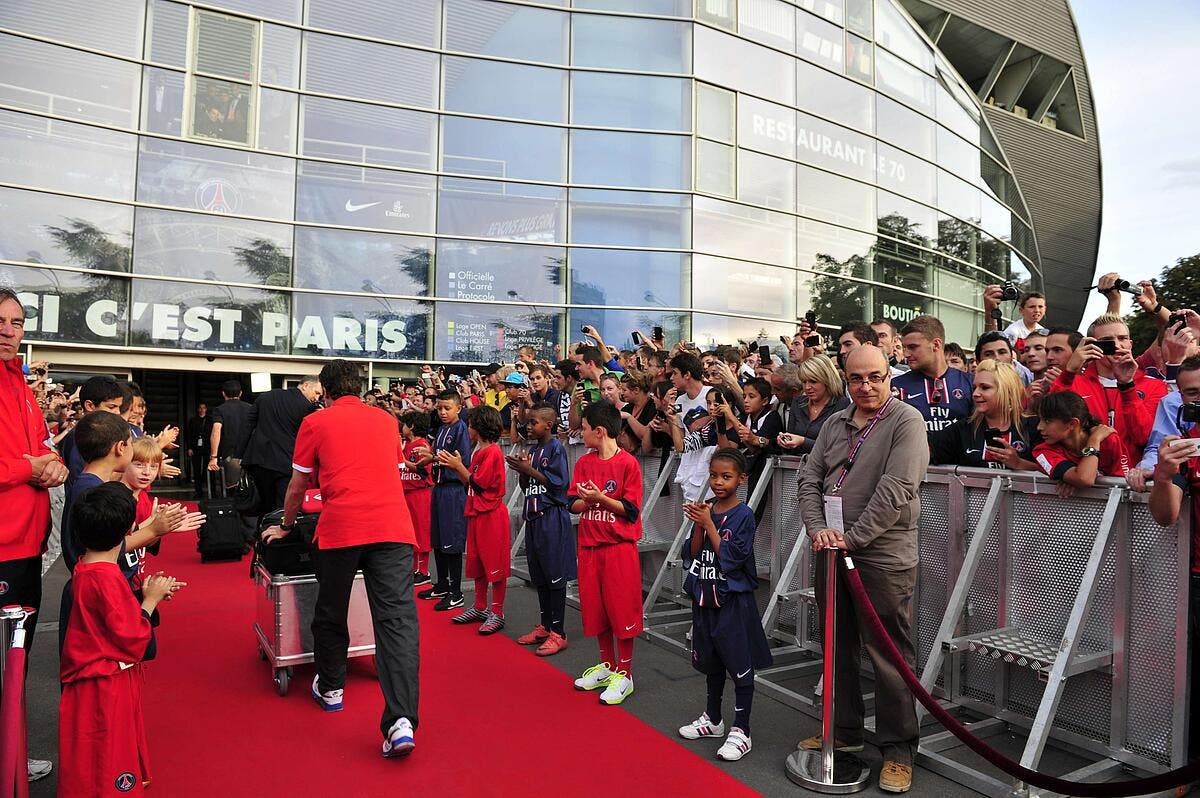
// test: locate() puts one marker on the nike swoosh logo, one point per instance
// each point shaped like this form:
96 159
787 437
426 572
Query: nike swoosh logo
974 451
738 709
351 207
743 673
630 626
556 581
493 573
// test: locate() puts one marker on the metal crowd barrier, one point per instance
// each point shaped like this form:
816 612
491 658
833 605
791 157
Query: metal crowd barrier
1061 619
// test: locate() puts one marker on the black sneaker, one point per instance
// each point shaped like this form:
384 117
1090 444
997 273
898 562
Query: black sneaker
420 579
449 602
435 592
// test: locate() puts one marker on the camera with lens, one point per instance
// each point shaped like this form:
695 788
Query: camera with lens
1010 292
1190 413
1128 287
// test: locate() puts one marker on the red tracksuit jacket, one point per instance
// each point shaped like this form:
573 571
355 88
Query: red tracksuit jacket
26 516
1129 412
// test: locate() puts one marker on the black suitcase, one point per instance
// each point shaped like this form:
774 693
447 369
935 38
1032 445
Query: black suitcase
289 556
221 536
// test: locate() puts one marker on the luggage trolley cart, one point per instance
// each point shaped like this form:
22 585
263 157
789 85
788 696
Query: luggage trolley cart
283 622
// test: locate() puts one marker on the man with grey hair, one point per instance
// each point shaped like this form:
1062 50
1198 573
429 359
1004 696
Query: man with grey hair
787 387
273 424
860 492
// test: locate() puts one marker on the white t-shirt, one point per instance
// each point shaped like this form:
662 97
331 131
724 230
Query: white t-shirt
691 409
1017 331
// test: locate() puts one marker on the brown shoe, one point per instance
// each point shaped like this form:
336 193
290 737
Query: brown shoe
895 777
814 744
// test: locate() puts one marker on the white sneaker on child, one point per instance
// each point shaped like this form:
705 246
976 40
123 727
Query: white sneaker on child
620 687
595 677
736 746
702 727
399 740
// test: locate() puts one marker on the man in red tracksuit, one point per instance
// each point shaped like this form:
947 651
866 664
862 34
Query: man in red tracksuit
1116 391
28 469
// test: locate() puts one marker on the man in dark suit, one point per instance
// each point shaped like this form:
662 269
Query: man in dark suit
273 424
197 434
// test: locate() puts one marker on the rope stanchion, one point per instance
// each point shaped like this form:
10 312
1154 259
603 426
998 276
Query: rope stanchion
1115 789
14 780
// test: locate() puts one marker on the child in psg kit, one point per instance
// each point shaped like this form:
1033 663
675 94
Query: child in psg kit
415 478
549 544
447 517
606 491
489 559
1076 449
727 636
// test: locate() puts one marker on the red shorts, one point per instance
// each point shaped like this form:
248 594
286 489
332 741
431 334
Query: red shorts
418 509
489 546
610 590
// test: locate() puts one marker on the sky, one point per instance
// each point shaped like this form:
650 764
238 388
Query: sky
1141 59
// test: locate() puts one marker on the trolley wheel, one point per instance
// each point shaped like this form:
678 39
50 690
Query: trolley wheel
282 675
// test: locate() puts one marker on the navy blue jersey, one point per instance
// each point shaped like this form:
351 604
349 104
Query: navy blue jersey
452 438
549 459
712 575
940 400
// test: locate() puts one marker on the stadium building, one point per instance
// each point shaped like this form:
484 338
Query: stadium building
256 184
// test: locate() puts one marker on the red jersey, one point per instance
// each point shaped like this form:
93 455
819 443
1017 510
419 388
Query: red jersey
415 480
1129 412
485 489
25 521
620 477
1056 460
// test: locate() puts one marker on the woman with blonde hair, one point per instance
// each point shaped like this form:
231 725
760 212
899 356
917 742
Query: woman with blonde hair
824 394
997 434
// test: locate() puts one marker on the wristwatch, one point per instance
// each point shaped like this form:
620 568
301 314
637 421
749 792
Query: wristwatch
1090 451
286 527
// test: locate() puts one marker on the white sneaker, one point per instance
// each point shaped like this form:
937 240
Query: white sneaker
620 687
399 740
39 768
330 700
595 677
736 746
701 727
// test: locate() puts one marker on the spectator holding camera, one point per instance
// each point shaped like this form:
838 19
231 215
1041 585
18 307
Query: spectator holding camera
1103 372
1032 307
1177 415
823 394
997 434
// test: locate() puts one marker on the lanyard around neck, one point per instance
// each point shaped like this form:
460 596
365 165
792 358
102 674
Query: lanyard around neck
857 445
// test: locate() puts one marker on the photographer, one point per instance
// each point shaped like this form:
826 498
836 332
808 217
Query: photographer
1177 415
610 360
824 394
996 435
1032 307
1102 371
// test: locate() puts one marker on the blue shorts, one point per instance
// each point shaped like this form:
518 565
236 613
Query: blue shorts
730 638
448 518
550 549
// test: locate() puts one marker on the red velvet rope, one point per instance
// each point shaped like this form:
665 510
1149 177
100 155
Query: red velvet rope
1113 789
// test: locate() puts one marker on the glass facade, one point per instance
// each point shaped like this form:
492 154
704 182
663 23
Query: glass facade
451 179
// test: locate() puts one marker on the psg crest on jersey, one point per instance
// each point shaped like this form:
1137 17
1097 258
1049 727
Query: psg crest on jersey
958 394
610 486
125 782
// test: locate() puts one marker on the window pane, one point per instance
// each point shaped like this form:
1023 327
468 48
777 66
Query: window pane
74 307
830 146
825 248
895 33
859 58
610 100
117 30
961 324
215 248
822 92
379 328
360 197
899 125
381 71
494 88
957 198
511 211
907 84
280 56
636 160
831 198
735 286
858 16
62 156
631 43
898 306
493 333
771 22
283 10
834 298
277 121
818 41
626 277
766 127
410 22
63 231
829 9
715 113
221 110
958 239
58 80
658 8
956 110
957 156
712 331
714 168
226 46
215 318
168 40
722 13
905 219
725 228
630 218
500 272
367 133
374 263
503 149
162 101
995 218
508 31
906 174
615 326
215 179
738 64
763 180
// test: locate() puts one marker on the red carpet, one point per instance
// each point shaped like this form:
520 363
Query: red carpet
495 720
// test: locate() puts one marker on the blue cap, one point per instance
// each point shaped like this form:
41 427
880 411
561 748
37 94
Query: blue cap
515 378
